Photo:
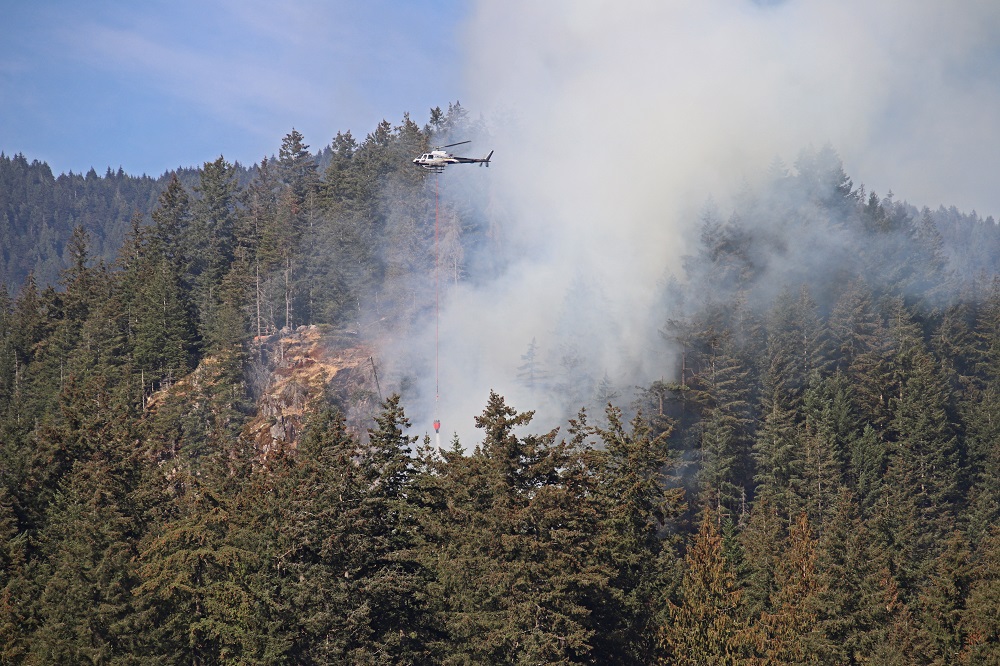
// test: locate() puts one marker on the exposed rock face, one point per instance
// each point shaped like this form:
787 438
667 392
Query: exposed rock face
297 368
290 375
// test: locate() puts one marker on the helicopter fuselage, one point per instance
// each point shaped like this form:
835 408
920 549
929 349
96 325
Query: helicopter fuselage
437 160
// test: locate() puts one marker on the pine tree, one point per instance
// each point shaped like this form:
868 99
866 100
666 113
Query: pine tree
634 471
797 346
761 542
530 373
856 593
165 335
779 460
258 242
722 387
829 432
520 573
297 204
171 229
792 626
389 576
297 171
212 230
940 606
86 606
8 354
192 599
319 529
923 481
978 406
864 346
979 623
18 589
867 466
708 624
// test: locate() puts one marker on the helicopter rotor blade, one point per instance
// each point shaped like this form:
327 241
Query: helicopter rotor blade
455 144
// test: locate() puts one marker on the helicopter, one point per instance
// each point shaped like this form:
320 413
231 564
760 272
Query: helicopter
439 158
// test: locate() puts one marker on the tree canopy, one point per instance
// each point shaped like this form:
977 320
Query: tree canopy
817 483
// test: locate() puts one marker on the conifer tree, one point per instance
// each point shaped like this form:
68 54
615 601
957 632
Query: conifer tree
863 345
212 231
8 356
981 419
320 530
923 480
18 589
297 171
171 230
522 570
797 346
829 432
792 624
165 336
708 624
867 466
339 188
761 542
192 601
86 606
257 242
856 592
634 473
297 204
941 605
726 428
979 623
389 578
779 460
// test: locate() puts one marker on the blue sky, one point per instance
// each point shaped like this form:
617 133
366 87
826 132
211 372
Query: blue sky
153 85
906 91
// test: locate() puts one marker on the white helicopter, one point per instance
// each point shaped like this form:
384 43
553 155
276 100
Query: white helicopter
439 158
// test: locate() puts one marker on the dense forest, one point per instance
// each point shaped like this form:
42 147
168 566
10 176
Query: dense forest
818 483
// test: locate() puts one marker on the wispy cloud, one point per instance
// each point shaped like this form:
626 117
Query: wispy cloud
245 81
196 79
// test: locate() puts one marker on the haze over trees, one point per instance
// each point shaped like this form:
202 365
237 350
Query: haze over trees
817 484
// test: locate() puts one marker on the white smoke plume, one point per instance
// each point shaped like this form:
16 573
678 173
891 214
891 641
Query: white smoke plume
614 123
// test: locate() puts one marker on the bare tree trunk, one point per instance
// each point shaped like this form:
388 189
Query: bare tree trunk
257 274
288 292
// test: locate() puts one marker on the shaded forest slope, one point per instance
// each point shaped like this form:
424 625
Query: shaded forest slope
191 471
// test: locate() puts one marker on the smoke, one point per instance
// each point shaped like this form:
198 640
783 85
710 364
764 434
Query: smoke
614 123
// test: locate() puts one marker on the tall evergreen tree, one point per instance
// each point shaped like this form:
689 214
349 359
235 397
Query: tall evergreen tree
980 625
192 601
214 218
86 607
171 228
792 624
829 432
524 564
708 624
924 476
726 429
857 595
635 472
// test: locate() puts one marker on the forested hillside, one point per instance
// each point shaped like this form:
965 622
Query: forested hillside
38 212
818 483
